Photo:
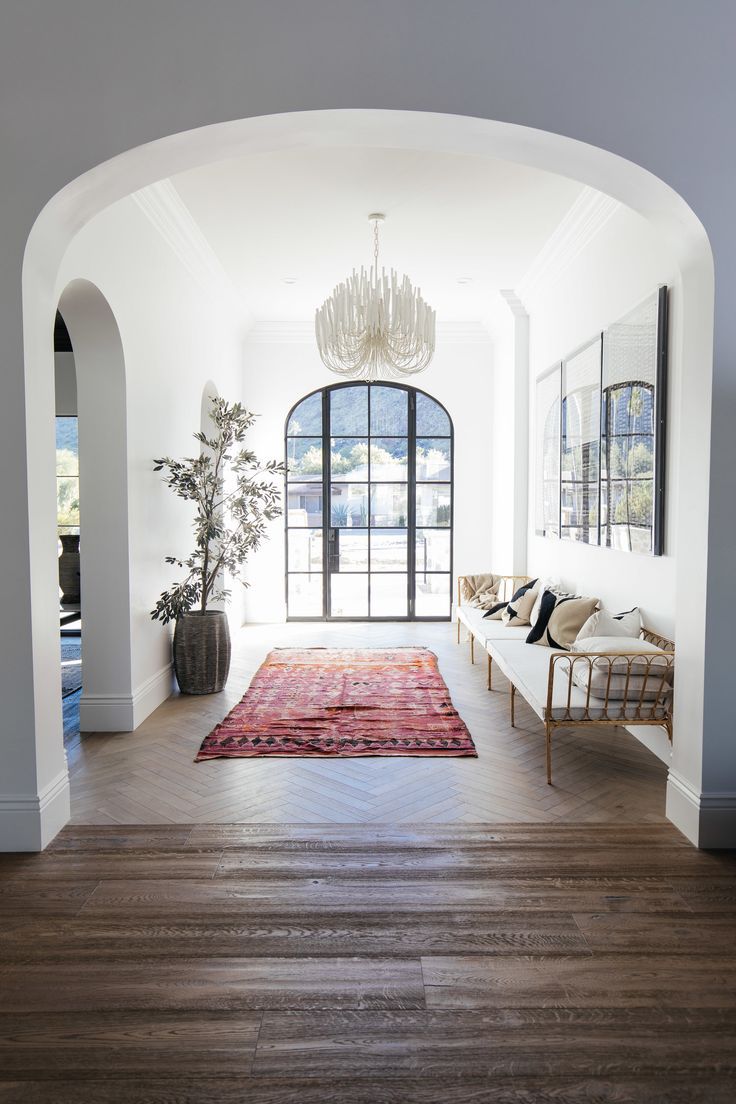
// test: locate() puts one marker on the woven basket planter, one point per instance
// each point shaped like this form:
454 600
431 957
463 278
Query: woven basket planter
69 569
202 652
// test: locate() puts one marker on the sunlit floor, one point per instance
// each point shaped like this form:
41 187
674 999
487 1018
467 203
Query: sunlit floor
149 776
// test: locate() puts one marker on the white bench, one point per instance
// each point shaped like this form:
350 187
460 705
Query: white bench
545 677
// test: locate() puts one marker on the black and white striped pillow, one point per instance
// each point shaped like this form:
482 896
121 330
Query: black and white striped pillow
561 616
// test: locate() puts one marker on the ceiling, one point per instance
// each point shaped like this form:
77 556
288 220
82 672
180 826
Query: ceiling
302 216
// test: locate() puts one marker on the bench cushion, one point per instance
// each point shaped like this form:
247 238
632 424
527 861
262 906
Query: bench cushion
484 628
528 668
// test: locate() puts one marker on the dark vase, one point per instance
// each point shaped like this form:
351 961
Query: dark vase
69 569
201 652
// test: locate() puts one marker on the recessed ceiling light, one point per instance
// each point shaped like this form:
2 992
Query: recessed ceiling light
289 279
465 279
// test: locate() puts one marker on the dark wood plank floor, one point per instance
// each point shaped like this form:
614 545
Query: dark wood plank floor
440 964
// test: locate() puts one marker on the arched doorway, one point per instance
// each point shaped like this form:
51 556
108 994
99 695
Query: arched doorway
36 767
369 505
107 703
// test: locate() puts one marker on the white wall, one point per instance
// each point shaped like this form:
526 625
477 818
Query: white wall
175 339
280 369
620 267
623 264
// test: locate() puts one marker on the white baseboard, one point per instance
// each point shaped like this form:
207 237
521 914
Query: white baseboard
707 819
124 712
28 822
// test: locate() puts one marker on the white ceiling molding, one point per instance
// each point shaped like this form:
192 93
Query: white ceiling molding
583 222
514 303
173 221
289 332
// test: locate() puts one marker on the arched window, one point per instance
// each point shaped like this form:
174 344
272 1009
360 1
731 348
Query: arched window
369 505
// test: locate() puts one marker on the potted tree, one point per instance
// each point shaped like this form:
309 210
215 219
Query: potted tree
234 496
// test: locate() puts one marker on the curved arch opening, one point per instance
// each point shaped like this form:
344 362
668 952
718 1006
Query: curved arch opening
106 704
73 209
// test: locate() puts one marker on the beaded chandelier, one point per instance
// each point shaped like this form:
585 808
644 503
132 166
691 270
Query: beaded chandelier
375 326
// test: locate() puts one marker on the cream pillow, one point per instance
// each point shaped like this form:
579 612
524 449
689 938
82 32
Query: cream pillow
603 623
615 679
521 605
621 645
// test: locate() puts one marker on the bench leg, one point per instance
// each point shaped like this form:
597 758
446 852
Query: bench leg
458 630
472 648
548 727
513 697
490 673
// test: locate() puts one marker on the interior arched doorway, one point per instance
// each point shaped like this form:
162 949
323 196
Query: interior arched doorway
106 704
667 212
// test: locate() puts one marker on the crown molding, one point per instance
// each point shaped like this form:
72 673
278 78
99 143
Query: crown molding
584 221
514 303
170 217
300 331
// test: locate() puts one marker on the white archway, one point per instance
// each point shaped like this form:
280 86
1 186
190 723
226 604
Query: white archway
634 186
106 704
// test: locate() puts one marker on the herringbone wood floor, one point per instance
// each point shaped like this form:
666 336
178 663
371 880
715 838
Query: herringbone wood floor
148 777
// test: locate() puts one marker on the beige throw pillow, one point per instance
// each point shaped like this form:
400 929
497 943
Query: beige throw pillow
560 619
519 609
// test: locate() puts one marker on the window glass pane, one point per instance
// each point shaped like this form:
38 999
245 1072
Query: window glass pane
305 549
388 505
389 458
348 550
304 504
389 412
349 458
67 472
433 504
432 420
581 428
349 505
349 411
389 596
432 596
349 595
67 446
305 595
67 502
389 550
304 457
628 514
306 418
432 550
433 458
579 511
628 456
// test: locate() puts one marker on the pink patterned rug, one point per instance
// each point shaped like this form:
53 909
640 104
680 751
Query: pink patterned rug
343 702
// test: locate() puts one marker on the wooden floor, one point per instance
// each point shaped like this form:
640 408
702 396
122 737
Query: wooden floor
313 964
148 776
